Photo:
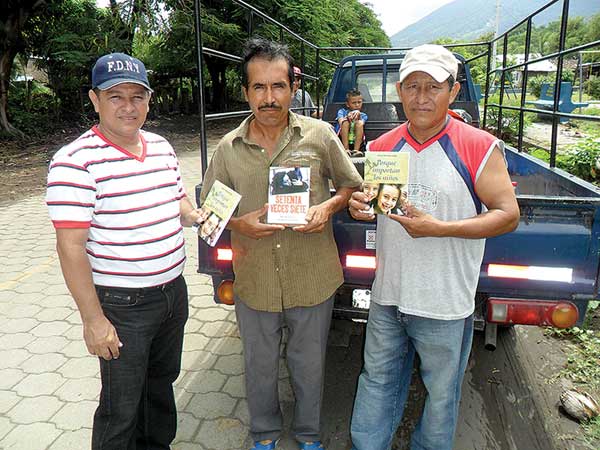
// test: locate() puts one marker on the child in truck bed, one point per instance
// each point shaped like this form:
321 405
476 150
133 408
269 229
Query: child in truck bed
350 123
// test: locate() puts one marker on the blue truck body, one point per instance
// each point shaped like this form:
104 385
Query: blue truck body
559 226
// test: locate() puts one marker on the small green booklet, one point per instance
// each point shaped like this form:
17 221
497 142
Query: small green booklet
386 181
216 211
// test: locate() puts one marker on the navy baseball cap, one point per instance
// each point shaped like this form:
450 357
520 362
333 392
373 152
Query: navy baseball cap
118 68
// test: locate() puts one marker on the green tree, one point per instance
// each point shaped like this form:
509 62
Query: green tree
576 34
70 36
73 33
224 28
478 66
593 29
14 14
130 17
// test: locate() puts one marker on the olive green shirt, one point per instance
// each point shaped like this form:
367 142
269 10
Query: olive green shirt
287 269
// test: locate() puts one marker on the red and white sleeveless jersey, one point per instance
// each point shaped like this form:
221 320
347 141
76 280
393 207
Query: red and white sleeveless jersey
434 277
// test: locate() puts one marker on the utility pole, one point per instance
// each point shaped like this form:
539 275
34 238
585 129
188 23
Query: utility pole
496 33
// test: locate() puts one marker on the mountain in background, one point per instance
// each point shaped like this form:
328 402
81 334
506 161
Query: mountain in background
466 20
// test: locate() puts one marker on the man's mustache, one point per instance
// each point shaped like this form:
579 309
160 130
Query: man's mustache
270 106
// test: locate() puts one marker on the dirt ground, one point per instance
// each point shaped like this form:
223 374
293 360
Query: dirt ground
540 134
25 164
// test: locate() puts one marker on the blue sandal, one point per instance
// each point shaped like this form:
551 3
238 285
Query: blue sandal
270 446
316 445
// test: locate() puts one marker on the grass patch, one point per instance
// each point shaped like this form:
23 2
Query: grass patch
592 429
586 126
583 366
540 154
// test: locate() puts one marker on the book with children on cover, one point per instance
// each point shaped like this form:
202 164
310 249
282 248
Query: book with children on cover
216 211
289 195
386 178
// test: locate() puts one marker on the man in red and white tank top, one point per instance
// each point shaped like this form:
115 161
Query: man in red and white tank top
117 202
428 259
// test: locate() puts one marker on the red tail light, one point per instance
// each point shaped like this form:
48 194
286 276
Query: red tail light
360 261
561 314
224 254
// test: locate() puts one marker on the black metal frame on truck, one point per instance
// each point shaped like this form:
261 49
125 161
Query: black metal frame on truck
536 209
502 72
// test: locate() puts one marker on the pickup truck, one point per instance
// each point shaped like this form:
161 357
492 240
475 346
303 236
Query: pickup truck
543 273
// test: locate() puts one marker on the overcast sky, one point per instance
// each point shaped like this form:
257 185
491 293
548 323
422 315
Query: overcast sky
397 14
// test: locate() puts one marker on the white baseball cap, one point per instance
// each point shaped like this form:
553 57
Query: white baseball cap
434 60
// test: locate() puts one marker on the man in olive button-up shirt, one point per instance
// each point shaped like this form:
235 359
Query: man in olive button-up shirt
283 275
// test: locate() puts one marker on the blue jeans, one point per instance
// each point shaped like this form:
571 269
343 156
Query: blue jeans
391 341
137 406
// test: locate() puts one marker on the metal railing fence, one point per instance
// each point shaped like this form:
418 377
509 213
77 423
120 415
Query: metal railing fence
503 71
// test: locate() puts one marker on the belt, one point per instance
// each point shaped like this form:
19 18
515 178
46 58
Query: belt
142 290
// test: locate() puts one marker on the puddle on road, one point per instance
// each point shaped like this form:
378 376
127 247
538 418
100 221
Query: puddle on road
497 410
476 430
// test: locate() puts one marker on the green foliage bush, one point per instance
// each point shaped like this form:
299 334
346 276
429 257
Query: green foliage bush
510 123
568 75
37 116
583 160
592 87
535 84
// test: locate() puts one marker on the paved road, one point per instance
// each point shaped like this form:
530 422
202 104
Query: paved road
49 385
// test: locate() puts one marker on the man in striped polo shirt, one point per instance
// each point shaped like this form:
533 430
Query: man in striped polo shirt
428 260
118 205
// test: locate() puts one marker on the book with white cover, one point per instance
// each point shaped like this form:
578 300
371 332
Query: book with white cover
289 195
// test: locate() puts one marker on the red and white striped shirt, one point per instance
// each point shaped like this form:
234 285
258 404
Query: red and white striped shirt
129 203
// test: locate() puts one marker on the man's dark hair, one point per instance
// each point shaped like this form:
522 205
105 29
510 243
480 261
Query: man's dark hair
270 50
451 81
353 93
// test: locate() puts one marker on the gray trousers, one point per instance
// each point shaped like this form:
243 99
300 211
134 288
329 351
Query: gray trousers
261 334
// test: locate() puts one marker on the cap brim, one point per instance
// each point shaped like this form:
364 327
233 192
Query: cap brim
115 82
437 73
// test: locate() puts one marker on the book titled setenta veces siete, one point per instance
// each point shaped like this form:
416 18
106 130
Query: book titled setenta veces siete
386 180
216 211
289 195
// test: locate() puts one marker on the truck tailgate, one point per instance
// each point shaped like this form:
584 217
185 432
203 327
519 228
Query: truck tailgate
553 233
